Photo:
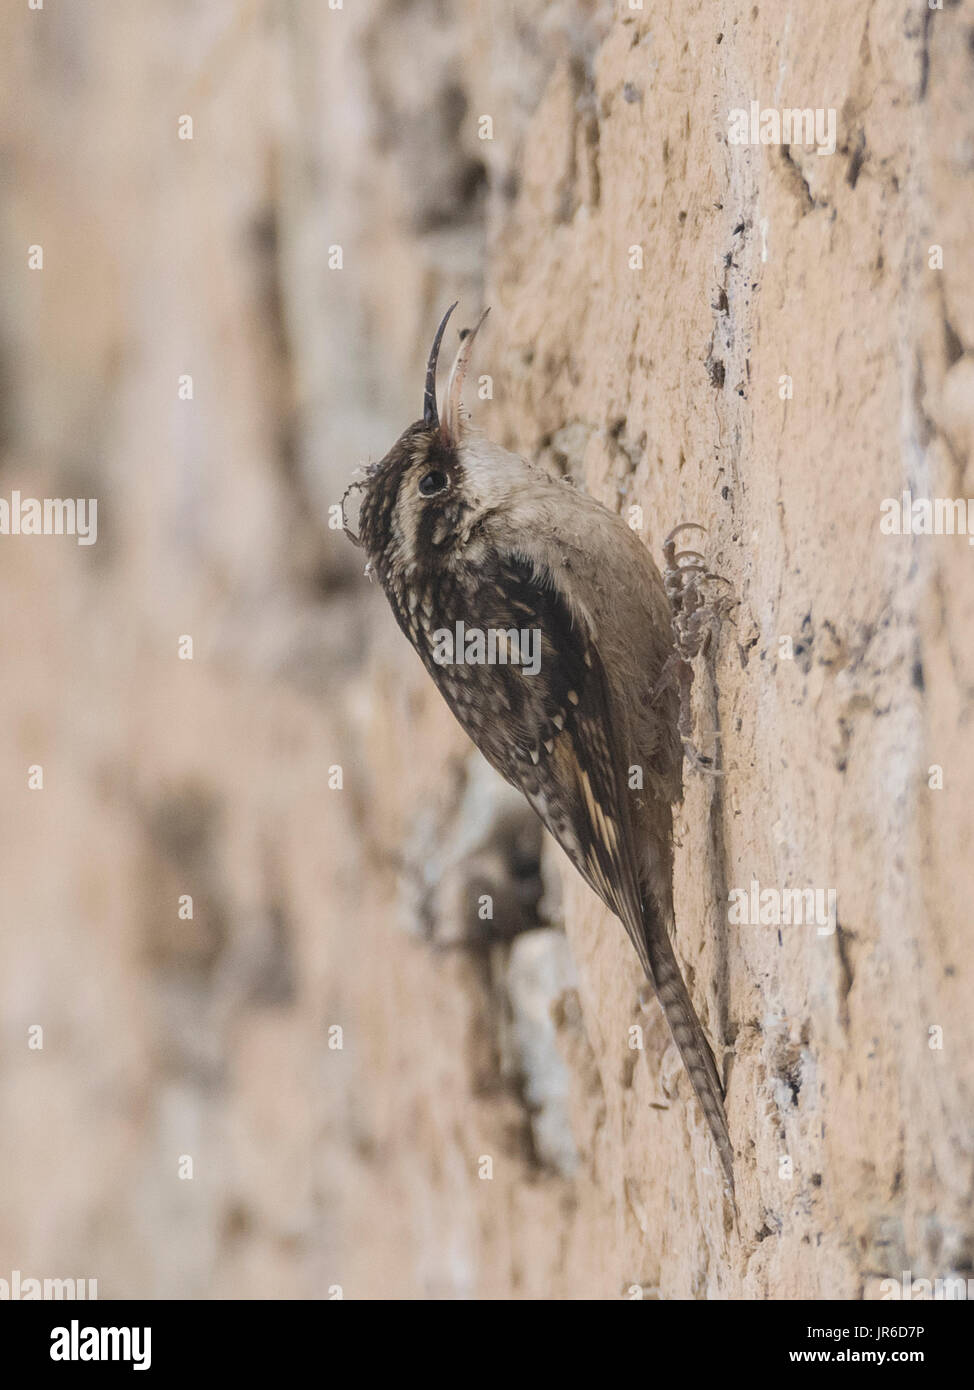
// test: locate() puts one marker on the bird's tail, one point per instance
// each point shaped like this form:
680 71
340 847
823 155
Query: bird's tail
665 976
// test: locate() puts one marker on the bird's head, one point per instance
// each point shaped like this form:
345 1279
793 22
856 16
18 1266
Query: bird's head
422 497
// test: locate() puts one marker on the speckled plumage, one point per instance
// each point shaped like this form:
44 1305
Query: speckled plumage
500 544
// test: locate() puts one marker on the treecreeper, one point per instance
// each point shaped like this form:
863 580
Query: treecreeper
549 631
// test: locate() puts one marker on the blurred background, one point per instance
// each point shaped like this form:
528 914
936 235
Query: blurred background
252 214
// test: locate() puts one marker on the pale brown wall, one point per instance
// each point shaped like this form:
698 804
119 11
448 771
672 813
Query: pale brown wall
359 1167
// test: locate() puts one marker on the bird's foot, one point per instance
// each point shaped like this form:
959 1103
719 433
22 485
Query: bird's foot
700 762
698 606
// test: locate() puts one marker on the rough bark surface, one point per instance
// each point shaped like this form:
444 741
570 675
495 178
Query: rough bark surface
315 908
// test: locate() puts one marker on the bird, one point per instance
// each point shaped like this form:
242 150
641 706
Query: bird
459 530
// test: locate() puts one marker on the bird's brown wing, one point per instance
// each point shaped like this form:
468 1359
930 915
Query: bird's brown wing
553 735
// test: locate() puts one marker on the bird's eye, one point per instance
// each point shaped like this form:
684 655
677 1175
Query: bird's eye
432 482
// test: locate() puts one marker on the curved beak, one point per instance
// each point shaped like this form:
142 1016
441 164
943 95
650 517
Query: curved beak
430 418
